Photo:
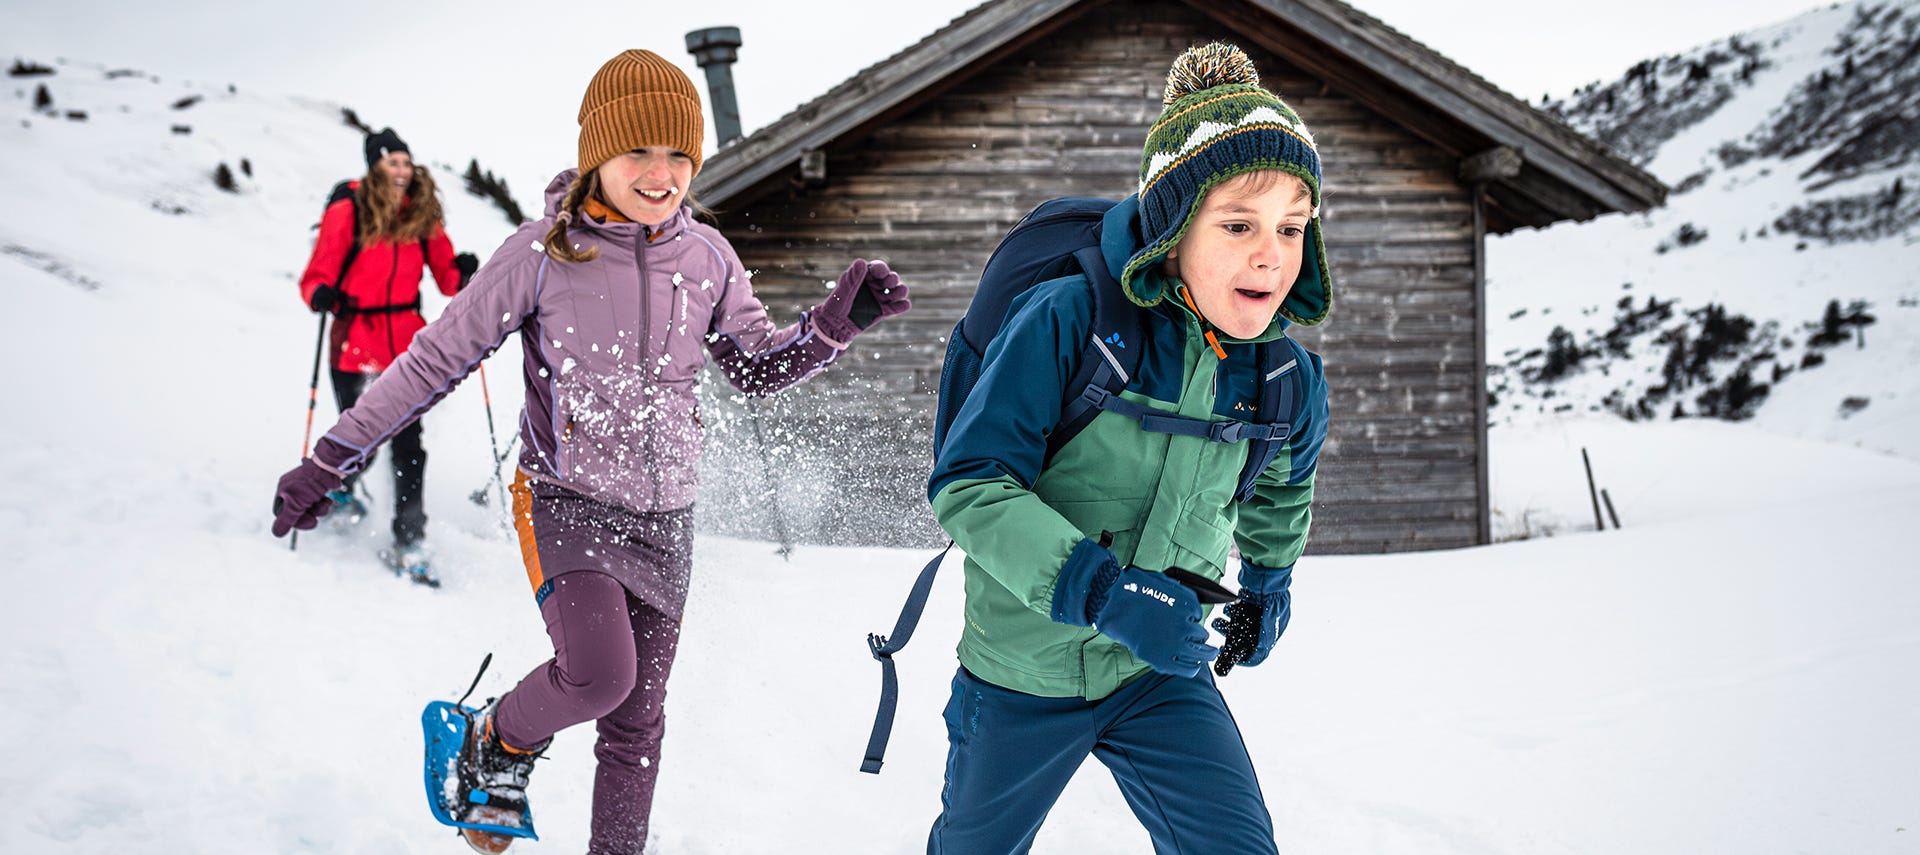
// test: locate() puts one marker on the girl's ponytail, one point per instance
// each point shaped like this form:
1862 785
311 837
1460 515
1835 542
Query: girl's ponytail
585 185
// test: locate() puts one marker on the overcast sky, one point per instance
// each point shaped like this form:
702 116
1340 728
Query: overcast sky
502 81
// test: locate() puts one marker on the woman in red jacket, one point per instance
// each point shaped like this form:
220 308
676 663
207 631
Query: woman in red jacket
376 235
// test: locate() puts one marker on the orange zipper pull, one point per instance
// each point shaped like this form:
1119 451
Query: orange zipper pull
1206 328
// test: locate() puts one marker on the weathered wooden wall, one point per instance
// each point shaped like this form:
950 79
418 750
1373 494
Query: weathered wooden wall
934 190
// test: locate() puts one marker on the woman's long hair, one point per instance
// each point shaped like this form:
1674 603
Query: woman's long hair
586 185
388 216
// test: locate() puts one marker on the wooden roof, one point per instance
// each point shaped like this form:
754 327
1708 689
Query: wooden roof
1538 170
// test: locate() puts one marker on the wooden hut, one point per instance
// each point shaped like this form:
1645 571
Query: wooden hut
925 159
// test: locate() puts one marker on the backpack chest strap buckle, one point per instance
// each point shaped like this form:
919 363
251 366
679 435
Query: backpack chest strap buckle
1157 421
1097 397
1236 431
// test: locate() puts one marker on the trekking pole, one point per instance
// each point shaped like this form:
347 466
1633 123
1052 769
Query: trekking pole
766 468
313 397
492 440
479 494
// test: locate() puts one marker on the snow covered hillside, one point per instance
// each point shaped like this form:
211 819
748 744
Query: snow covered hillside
1781 282
111 195
1731 672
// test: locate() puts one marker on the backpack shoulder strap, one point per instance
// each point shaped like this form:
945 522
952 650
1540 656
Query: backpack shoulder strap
1108 358
342 190
345 190
1278 402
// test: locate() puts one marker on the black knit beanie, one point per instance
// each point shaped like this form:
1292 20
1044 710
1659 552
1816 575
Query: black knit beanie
381 144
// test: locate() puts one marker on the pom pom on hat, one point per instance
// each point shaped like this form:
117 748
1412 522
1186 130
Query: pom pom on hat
1206 67
639 99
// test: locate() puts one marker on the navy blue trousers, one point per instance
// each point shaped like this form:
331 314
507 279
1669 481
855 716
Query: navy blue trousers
1170 743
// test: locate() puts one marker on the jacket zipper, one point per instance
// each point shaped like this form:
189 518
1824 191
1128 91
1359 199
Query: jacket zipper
646 323
646 315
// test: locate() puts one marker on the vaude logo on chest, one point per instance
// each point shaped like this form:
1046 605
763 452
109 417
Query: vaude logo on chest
1135 587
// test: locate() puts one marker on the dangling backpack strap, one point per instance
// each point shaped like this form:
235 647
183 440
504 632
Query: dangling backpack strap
883 647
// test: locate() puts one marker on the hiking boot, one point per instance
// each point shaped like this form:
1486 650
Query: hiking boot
499 771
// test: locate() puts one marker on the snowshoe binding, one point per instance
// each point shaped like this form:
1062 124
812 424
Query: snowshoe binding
348 509
411 561
475 782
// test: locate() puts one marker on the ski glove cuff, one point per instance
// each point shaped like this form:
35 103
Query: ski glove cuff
1082 585
301 498
1254 624
865 293
1158 620
334 457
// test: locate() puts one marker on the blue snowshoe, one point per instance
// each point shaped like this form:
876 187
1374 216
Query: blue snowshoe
348 509
411 561
474 783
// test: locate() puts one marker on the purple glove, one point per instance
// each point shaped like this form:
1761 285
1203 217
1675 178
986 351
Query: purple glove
867 292
302 500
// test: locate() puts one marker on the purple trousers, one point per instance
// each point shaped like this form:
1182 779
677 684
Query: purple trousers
612 656
612 650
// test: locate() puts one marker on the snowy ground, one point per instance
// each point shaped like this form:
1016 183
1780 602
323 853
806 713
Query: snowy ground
1732 672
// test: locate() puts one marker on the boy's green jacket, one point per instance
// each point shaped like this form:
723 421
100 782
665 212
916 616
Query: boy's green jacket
1168 500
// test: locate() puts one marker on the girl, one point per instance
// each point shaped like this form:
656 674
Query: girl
374 237
615 293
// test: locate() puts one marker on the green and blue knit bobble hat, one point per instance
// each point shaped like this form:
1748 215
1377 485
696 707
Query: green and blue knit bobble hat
1219 123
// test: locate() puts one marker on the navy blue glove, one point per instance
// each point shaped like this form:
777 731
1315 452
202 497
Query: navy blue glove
1157 619
1154 617
1255 622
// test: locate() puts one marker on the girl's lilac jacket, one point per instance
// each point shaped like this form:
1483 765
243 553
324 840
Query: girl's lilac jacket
613 347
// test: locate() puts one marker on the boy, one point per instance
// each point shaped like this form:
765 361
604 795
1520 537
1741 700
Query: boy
1075 642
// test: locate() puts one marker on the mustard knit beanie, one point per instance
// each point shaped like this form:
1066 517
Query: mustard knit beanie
639 99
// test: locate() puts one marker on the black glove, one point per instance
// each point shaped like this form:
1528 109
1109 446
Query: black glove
1254 622
327 298
1241 625
466 263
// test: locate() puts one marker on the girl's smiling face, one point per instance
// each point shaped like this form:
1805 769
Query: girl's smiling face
1243 250
646 185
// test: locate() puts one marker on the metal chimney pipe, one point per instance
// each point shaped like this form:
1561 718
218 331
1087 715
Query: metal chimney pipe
716 49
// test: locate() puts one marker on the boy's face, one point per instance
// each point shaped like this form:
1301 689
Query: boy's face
1242 252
